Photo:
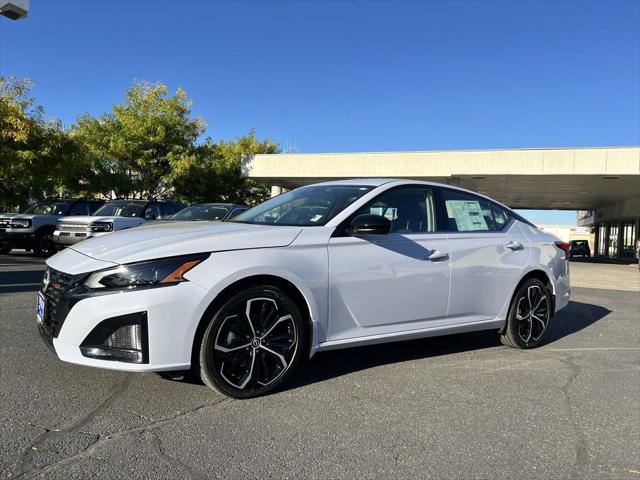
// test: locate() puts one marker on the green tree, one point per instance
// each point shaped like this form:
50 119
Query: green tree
213 171
37 156
130 150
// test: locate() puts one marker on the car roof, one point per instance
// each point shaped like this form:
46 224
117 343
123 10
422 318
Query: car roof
216 204
369 182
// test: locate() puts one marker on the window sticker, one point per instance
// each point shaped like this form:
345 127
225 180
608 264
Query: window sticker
468 215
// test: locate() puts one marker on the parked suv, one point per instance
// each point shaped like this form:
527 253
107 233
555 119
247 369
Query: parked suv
112 216
33 228
580 247
220 212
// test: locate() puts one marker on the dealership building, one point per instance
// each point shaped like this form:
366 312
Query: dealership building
602 184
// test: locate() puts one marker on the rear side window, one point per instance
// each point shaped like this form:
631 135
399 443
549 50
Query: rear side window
501 216
467 213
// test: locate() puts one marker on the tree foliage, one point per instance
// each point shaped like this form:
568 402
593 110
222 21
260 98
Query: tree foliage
213 172
129 152
36 156
146 146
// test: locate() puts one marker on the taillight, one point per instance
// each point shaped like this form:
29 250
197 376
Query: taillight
566 247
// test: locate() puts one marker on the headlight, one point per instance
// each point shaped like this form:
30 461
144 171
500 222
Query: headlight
20 223
166 271
100 227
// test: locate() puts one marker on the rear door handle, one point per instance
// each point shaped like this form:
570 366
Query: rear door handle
513 245
436 256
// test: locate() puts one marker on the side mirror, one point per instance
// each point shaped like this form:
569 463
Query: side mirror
368 224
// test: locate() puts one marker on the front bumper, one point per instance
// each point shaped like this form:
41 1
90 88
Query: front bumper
17 239
171 313
71 237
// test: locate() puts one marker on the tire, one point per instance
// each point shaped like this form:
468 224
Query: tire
248 355
43 245
5 249
525 326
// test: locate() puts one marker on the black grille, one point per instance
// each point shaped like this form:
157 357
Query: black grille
57 292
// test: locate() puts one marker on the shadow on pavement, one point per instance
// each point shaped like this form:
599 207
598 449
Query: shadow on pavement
18 281
326 365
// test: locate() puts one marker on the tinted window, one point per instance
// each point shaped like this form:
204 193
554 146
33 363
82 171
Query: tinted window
410 209
201 212
59 207
313 205
80 208
500 215
153 211
93 206
467 213
121 209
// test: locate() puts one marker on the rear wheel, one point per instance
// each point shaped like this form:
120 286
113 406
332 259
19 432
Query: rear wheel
5 249
253 343
529 315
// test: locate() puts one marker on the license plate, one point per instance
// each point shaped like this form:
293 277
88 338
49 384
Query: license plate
40 308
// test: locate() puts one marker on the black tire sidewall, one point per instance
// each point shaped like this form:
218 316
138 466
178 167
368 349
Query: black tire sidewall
212 378
512 322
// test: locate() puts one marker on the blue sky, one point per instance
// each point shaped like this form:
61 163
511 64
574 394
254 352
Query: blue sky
351 76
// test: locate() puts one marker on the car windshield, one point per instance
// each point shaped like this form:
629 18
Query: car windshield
121 209
49 208
579 243
305 206
201 212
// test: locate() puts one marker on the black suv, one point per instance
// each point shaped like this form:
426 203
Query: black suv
580 247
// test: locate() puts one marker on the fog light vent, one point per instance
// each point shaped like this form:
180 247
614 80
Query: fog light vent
122 339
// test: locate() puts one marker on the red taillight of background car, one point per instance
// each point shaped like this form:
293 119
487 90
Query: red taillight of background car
564 246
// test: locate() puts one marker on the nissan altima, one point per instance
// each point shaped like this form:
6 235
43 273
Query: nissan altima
326 266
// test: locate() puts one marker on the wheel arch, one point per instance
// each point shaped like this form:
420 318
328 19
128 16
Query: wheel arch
244 283
541 275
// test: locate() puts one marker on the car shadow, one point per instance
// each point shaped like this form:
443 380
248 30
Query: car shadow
327 365
18 281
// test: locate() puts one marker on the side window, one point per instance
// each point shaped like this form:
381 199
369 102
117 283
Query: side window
93 206
410 209
500 215
167 210
467 213
236 211
80 208
152 212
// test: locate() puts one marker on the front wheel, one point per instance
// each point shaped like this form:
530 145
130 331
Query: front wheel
529 315
253 343
5 249
44 246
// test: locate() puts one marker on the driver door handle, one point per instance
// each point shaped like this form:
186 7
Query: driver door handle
436 256
513 245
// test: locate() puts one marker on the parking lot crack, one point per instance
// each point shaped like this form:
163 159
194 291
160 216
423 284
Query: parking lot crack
582 456
25 463
27 469
172 461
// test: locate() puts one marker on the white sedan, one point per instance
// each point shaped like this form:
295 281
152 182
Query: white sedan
326 266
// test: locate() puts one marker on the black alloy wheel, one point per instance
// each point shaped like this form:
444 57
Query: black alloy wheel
252 343
529 315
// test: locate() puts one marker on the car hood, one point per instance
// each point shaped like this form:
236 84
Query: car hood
88 219
183 238
31 216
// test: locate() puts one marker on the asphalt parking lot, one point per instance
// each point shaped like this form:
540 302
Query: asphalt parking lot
452 407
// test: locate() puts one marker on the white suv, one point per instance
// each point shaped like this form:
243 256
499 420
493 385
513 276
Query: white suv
112 216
